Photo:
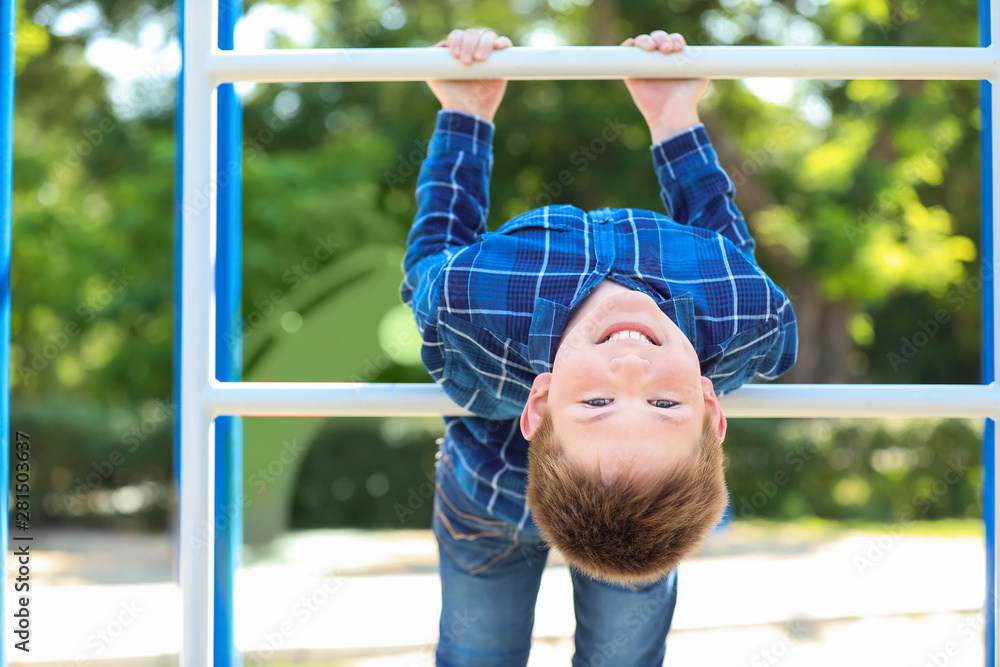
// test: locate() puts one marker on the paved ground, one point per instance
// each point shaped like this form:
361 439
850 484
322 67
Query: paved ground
363 599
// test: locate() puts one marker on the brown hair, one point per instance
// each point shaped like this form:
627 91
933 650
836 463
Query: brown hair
620 531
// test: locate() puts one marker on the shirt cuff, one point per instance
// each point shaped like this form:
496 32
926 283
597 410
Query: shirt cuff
459 130
672 149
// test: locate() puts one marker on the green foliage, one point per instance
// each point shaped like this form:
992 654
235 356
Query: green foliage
94 466
370 473
31 40
872 470
864 197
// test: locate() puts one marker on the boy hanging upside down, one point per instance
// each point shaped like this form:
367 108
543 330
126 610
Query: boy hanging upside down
599 338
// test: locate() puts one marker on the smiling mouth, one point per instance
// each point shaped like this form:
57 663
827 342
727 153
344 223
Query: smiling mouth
630 335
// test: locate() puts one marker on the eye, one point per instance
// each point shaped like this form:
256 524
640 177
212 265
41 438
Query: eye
597 402
662 403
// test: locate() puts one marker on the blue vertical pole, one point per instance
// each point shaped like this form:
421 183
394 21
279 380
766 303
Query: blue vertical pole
178 291
228 349
7 24
989 337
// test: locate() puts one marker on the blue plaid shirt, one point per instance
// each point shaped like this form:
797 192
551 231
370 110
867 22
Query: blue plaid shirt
492 306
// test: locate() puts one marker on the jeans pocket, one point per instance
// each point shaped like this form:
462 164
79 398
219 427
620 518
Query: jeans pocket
470 538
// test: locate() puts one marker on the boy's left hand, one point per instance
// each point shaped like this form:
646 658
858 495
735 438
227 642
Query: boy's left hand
668 105
480 97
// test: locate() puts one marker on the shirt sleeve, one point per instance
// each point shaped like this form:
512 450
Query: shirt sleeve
763 352
695 188
782 352
453 187
452 203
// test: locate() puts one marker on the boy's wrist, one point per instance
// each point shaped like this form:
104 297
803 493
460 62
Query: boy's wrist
672 122
668 153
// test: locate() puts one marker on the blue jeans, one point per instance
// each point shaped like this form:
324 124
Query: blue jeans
490 573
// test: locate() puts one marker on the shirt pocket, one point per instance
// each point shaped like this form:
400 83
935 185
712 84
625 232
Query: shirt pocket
742 354
490 372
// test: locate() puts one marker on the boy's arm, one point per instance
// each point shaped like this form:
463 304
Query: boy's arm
694 188
783 351
452 189
453 186
767 356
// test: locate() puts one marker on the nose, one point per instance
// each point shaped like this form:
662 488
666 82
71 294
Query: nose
630 367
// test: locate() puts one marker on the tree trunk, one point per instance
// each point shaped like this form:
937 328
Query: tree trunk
605 19
824 340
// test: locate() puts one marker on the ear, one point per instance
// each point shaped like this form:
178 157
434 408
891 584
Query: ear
538 399
712 405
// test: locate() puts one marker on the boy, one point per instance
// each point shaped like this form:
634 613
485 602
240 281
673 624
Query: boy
601 338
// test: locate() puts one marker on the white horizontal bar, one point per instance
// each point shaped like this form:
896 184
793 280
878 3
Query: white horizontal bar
863 400
328 399
343 399
606 62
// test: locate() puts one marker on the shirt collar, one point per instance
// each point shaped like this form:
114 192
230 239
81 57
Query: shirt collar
549 319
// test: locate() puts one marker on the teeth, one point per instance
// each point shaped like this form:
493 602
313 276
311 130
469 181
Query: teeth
628 334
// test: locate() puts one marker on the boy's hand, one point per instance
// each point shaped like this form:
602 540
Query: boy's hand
668 105
480 97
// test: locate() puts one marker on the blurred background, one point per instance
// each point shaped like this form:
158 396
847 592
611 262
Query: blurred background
864 197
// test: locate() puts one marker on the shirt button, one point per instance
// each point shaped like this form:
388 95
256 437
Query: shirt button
601 215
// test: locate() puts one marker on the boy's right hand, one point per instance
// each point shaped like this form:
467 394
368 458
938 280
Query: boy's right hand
668 105
476 96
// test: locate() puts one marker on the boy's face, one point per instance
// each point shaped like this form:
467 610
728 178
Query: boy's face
616 397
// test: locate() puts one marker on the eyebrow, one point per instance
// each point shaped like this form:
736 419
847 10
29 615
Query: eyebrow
604 414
